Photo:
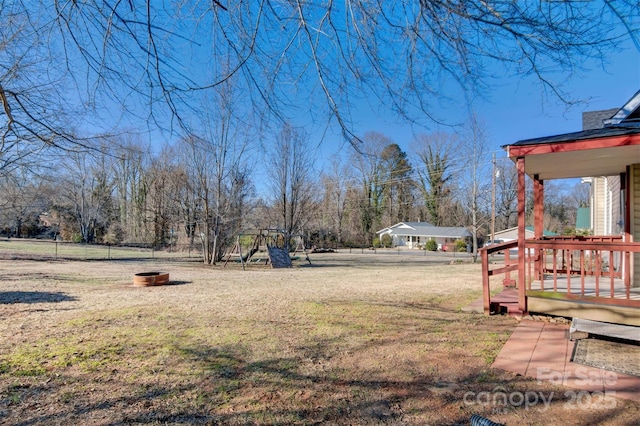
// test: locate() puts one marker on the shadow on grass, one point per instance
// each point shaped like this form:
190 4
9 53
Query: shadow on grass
357 371
10 297
178 282
275 391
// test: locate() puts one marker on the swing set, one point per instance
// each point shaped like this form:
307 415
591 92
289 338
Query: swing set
270 241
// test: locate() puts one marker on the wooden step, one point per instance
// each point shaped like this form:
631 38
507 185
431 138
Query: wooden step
579 327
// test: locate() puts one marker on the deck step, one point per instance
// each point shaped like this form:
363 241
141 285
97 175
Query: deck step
506 308
618 331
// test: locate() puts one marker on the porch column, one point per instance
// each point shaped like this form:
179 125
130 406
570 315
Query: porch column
522 299
538 221
538 206
634 219
625 193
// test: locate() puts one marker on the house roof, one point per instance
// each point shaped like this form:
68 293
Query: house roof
408 226
414 225
424 229
595 152
447 232
582 135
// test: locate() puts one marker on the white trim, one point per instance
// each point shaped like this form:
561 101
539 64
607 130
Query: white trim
628 108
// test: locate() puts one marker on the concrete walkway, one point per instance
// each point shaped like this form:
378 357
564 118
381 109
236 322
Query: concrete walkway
542 350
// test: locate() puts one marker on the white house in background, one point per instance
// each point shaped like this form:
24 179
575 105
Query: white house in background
416 234
511 234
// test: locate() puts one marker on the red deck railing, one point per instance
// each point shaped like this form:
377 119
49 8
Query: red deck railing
595 269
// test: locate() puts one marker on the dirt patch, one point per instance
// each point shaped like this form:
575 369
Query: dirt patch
350 339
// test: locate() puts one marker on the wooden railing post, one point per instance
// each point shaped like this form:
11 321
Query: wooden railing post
486 288
522 298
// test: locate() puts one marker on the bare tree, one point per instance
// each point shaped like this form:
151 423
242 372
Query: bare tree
85 195
560 207
335 185
292 180
147 57
366 163
219 188
37 86
474 192
581 194
218 173
506 196
129 166
22 200
153 63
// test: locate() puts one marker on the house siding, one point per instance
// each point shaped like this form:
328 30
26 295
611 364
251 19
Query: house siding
512 234
606 212
617 211
598 206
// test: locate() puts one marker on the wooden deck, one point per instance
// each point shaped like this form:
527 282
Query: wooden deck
590 286
506 302
585 298
585 277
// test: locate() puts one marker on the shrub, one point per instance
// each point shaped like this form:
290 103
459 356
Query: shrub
386 241
576 232
114 234
461 245
246 241
431 245
376 242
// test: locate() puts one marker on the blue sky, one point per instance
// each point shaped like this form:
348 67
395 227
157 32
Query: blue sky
517 109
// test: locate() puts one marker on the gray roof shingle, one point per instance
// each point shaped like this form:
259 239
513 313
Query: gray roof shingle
424 229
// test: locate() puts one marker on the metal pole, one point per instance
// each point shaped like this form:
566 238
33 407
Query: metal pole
493 200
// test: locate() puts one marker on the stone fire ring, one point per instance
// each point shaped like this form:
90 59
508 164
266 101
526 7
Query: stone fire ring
146 279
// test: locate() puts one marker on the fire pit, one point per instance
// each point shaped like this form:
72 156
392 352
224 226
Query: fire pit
146 279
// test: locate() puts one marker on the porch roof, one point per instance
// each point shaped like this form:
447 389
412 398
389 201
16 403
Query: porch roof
596 152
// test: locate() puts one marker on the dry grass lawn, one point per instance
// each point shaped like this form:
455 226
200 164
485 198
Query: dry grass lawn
351 339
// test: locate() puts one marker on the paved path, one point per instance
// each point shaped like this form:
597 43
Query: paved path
542 350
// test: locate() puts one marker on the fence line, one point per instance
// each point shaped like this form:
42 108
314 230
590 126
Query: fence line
84 251
50 249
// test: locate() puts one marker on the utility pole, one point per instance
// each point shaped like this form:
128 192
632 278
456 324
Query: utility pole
493 200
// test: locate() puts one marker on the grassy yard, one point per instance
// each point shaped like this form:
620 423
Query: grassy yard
350 339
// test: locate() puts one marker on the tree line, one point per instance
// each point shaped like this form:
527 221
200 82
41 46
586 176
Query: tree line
218 77
206 190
